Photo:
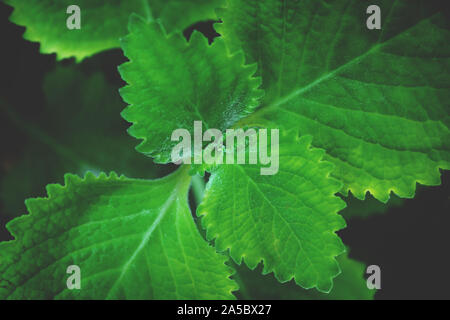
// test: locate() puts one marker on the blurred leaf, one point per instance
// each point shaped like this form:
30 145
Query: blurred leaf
368 207
103 22
349 285
79 130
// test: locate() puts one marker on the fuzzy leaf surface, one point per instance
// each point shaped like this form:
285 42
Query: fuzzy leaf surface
172 83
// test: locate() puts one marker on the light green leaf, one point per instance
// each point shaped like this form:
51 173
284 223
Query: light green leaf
349 285
375 100
79 130
172 83
132 239
102 22
287 220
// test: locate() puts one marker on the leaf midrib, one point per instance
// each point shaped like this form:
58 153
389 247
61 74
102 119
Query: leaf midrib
164 208
275 209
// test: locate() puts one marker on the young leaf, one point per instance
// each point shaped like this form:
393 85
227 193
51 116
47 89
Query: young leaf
132 239
79 130
172 83
287 220
375 100
102 22
349 285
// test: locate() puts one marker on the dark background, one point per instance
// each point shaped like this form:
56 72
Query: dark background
409 243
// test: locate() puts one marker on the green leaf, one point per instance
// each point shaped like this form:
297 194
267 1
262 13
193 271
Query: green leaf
132 239
375 100
172 83
287 220
79 130
368 207
349 285
102 22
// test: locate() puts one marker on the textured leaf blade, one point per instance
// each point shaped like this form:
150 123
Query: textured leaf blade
132 239
376 101
173 83
287 220
103 22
